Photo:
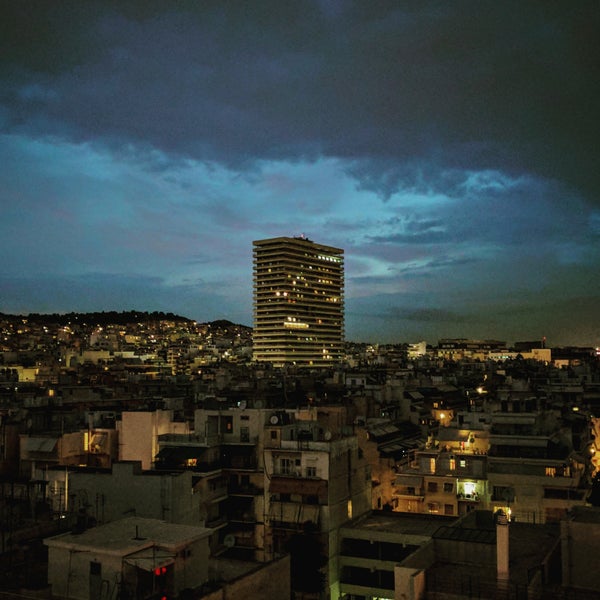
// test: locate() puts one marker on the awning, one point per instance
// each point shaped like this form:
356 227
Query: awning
293 512
40 444
303 487
309 512
288 512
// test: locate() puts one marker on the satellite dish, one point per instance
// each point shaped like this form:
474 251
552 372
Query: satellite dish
327 435
242 404
274 420
229 540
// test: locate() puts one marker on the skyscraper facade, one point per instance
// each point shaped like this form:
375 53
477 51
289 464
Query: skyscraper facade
298 302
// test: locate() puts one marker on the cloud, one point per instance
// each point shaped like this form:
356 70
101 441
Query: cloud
410 95
449 148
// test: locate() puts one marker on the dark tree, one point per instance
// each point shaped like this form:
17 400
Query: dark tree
307 560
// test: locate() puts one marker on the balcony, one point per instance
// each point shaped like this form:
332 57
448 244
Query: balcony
189 439
470 498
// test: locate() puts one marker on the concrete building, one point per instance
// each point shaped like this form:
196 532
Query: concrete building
483 555
139 431
533 471
130 558
298 302
106 495
580 540
315 473
371 547
448 476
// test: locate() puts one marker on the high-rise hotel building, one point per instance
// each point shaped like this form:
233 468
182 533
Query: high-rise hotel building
298 302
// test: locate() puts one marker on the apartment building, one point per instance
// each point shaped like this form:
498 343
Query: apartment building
314 473
298 302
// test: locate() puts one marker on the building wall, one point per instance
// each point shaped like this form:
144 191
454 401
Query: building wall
69 571
138 435
128 491
580 542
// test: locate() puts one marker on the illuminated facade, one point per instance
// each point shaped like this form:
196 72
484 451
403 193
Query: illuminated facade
298 302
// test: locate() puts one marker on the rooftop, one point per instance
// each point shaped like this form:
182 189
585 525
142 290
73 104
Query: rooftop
381 524
128 535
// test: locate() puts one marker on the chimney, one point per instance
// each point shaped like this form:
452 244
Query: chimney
502 552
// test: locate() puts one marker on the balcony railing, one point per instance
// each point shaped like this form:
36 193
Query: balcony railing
189 439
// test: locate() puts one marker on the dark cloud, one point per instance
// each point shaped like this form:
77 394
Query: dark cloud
411 94
160 138
428 315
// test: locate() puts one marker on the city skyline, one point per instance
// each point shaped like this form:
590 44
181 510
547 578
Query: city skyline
449 149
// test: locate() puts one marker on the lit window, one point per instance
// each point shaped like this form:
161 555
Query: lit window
469 488
432 465
550 471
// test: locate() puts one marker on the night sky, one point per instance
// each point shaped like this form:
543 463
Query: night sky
451 148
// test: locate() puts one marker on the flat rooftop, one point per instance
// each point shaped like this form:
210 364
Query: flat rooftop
129 535
396 526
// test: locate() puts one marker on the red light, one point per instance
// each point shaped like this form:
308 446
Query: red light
157 571
163 570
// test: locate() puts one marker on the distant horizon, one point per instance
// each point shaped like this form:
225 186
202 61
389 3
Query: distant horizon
509 344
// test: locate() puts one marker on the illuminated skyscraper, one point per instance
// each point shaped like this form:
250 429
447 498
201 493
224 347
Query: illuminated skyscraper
298 302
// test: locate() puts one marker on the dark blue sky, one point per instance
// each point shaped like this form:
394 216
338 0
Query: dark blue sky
449 147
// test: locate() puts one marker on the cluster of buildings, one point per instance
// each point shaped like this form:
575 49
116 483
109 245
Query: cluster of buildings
148 456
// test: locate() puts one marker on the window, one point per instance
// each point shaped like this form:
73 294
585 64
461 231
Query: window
448 487
311 471
432 465
448 509
463 464
432 486
227 424
286 466
274 434
452 464
550 471
244 434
